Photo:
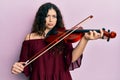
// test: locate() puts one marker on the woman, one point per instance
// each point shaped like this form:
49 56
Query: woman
55 63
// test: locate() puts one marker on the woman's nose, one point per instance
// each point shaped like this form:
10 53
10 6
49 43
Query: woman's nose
50 19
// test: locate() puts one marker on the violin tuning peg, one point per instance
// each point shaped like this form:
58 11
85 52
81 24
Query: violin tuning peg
103 29
108 30
108 35
108 39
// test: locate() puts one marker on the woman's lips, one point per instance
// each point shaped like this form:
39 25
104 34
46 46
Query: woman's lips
50 24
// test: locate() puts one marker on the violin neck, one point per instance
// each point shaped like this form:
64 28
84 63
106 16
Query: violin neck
86 30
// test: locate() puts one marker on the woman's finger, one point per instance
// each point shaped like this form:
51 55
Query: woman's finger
101 33
17 68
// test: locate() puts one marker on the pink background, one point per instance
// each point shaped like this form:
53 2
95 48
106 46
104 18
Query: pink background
101 58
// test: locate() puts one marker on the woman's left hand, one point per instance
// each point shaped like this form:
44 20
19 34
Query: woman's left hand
93 35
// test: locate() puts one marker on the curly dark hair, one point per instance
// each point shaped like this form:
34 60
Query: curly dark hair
39 22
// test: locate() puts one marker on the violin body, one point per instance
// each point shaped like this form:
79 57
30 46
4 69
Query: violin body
74 37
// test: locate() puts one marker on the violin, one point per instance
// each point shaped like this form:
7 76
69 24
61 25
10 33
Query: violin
76 35
55 36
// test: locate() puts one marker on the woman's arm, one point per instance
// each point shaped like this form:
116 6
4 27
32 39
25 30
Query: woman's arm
78 50
18 67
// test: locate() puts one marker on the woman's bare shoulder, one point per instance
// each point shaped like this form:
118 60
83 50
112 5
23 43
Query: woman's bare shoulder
27 37
32 36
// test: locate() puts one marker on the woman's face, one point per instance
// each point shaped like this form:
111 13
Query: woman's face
51 19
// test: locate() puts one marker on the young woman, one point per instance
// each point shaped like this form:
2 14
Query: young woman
55 63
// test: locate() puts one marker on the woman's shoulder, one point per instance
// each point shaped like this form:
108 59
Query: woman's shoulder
32 36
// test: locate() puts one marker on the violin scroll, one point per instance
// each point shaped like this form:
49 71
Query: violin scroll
109 34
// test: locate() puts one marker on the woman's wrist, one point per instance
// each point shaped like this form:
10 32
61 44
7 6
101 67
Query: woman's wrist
85 39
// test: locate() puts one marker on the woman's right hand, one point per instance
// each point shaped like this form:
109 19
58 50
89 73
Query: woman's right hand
18 67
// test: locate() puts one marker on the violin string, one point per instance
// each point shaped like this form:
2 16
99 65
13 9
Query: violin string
53 43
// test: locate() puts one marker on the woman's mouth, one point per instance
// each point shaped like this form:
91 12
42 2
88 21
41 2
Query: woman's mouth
50 24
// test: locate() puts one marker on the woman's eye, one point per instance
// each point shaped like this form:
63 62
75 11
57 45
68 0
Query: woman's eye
47 15
54 16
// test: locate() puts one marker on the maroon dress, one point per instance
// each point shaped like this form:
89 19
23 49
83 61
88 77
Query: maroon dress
51 65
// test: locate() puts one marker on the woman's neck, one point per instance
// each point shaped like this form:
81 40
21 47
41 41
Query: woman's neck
47 30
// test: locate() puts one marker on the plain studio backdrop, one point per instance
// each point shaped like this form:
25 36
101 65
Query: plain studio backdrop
101 58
